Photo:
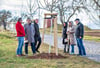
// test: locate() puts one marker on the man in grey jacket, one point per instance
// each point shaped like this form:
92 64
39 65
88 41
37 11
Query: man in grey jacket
29 36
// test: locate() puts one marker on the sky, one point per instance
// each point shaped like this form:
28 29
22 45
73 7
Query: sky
18 6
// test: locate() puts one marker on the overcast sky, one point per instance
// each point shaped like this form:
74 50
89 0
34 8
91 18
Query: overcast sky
15 6
12 5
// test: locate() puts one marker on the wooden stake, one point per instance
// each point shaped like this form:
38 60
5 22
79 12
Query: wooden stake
43 30
55 36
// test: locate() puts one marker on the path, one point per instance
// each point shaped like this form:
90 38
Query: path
92 48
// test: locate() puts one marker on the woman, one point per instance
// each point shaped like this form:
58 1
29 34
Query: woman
20 35
64 36
71 36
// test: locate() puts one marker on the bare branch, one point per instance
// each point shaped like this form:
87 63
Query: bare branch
97 3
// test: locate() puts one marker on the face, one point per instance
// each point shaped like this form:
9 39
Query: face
64 24
28 21
20 21
36 20
70 24
77 21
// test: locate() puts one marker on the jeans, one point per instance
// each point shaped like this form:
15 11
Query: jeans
32 47
81 46
39 43
72 48
20 45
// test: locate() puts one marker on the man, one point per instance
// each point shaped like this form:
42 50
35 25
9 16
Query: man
79 37
37 35
20 36
29 36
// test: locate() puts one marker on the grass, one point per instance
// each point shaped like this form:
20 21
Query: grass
92 38
8 59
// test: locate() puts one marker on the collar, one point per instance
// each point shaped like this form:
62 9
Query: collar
78 23
29 23
19 22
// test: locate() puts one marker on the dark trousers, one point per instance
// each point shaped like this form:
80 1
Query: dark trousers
32 47
81 46
37 45
65 46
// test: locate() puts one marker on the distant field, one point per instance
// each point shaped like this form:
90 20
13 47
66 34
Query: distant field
93 35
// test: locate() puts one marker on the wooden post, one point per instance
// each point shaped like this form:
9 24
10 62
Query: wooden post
43 30
55 36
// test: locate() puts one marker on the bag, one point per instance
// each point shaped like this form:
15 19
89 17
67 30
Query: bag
65 41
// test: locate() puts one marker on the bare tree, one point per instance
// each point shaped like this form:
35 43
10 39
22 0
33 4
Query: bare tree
4 15
49 5
32 8
64 7
94 11
97 2
71 7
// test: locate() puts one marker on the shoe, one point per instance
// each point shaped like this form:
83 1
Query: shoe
22 55
34 54
78 55
26 55
72 53
18 55
38 51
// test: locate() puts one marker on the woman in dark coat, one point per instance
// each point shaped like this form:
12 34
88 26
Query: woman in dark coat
64 36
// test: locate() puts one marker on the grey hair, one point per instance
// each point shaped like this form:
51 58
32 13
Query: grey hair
71 22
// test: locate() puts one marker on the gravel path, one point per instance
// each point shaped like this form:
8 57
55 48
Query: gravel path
92 48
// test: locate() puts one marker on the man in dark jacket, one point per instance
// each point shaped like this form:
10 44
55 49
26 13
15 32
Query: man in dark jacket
79 37
37 35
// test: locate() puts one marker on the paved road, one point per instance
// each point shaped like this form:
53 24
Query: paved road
92 48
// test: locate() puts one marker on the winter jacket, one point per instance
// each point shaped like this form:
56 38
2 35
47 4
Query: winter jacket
71 35
37 32
20 30
64 34
79 30
29 32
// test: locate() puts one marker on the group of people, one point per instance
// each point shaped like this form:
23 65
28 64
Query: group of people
29 34
71 35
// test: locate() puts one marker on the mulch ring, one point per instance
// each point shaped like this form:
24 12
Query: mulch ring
47 56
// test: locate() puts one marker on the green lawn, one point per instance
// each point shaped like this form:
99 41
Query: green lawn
92 38
8 59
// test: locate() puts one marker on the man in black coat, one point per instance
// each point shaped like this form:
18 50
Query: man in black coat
37 35
79 37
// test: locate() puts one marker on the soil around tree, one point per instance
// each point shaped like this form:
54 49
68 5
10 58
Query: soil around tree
47 56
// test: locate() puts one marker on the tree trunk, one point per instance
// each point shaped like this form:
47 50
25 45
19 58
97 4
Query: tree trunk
4 25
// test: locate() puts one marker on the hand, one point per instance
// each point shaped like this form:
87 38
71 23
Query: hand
16 39
80 37
67 32
25 38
